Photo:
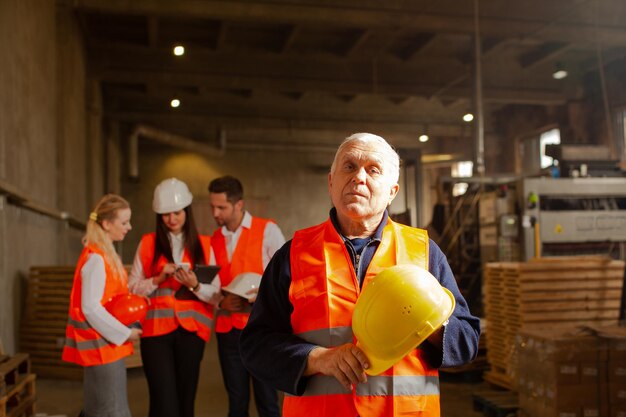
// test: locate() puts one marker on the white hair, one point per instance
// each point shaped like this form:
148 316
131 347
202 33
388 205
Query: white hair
391 158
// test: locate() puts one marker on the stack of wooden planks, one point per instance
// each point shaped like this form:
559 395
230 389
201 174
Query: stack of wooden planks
584 290
42 331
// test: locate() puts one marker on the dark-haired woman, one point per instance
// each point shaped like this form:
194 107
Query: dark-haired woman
180 316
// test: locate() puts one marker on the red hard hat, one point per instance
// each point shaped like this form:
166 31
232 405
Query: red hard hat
127 308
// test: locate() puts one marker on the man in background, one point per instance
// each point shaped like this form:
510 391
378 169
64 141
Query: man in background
242 244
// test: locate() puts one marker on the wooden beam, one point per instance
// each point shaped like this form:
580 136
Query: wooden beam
340 86
257 124
290 38
507 26
490 47
543 53
153 32
421 43
221 35
358 43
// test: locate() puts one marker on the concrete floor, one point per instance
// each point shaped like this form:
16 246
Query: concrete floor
63 398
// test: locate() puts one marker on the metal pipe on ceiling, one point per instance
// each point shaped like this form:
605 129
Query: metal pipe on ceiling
171 139
479 125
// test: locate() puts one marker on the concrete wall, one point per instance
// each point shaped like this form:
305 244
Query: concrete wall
289 187
42 145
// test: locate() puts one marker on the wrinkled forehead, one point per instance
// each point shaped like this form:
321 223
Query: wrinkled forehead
363 152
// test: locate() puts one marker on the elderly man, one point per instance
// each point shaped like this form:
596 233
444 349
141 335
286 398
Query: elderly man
299 338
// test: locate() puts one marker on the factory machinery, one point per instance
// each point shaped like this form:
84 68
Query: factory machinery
572 216
518 219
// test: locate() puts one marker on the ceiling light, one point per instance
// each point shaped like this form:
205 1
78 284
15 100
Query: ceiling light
559 73
175 102
468 117
423 138
179 50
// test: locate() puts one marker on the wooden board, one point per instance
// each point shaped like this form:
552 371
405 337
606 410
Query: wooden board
42 331
544 293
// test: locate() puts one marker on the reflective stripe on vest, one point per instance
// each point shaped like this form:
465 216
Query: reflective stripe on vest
247 257
83 344
376 385
323 291
166 312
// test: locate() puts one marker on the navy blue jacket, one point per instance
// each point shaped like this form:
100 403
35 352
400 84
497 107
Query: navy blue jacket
273 354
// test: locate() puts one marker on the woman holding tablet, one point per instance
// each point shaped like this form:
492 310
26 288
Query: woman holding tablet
180 315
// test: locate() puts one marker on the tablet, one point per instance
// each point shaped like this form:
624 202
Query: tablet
206 273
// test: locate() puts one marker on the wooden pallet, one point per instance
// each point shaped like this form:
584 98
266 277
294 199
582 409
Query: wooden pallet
42 331
20 400
496 403
12 370
17 386
545 293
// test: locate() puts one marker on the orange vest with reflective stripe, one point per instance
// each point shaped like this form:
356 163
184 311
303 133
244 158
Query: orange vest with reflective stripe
166 312
324 289
83 344
247 257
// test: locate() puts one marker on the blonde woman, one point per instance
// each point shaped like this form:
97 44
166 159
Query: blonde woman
94 338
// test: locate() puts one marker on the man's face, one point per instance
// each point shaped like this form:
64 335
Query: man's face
224 212
361 186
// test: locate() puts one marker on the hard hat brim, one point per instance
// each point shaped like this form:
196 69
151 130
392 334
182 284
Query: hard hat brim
396 312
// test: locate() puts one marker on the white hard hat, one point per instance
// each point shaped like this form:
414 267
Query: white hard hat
171 195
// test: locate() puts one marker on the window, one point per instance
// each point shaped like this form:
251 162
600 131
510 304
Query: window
461 169
551 137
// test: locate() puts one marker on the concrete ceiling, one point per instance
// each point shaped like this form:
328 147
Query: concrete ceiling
301 72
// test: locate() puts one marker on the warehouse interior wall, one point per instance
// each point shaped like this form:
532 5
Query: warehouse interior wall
54 150
44 151
288 187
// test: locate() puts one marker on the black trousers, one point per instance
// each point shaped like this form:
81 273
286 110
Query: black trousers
237 381
171 363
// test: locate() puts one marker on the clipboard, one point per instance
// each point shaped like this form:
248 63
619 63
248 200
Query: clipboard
205 274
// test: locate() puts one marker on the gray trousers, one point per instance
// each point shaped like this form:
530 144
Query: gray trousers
104 390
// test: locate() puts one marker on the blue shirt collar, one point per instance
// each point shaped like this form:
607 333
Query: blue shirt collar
378 235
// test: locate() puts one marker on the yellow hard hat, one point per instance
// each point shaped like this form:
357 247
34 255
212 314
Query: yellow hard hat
398 309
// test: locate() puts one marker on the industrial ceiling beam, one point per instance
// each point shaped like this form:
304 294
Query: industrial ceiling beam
559 30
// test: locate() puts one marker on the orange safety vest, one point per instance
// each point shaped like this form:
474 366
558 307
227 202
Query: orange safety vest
166 312
247 257
324 289
83 344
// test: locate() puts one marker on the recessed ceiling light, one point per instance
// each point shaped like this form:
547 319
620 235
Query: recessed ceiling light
423 138
468 117
179 50
559 74
175 102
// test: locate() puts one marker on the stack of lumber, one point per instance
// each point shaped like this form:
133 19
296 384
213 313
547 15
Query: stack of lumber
42 332
17 386
544 293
